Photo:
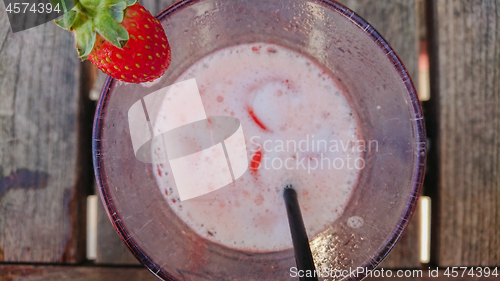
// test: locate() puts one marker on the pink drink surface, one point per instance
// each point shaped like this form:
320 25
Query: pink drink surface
299 129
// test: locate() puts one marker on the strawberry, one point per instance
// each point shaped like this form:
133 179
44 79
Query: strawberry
120 37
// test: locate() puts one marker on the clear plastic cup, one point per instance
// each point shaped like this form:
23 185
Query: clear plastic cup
374 81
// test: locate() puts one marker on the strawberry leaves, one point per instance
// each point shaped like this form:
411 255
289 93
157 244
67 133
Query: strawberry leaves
91 17
102 30
67 19
86 39
130 2
83 29
116 11
111 30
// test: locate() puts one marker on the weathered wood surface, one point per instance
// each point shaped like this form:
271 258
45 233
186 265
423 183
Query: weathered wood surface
73 273
396 21
438 275
465 73
42 150
85 273
110 248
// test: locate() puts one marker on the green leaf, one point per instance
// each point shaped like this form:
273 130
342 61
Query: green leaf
116 11
85 39
130 2
109 3
112 31
90 4
67 20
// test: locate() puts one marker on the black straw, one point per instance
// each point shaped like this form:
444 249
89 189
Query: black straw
303 255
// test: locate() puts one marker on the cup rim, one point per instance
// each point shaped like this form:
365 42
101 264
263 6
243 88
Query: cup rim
418 123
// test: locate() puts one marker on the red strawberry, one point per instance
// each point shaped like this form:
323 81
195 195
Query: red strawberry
120 37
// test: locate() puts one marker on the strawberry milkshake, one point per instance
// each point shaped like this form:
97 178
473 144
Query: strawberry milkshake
299 129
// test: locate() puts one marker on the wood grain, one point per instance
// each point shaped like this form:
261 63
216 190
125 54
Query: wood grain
110 248
396 21
465 65
41 162
426 275
73 273
94 273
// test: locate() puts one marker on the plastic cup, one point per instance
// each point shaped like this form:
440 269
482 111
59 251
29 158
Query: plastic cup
374 81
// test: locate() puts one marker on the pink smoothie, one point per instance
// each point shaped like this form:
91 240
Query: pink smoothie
299 129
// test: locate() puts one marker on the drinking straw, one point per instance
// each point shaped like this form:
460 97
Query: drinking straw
303 255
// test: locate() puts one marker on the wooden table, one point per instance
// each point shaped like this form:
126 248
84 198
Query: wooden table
45 137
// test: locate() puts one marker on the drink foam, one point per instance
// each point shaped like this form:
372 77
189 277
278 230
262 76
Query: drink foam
298 126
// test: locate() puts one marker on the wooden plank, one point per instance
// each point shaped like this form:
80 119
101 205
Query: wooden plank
432 275
465 72
42 166
110 248
94 273
396 21
73 273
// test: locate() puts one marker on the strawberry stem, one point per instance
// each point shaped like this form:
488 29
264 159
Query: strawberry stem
89 17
